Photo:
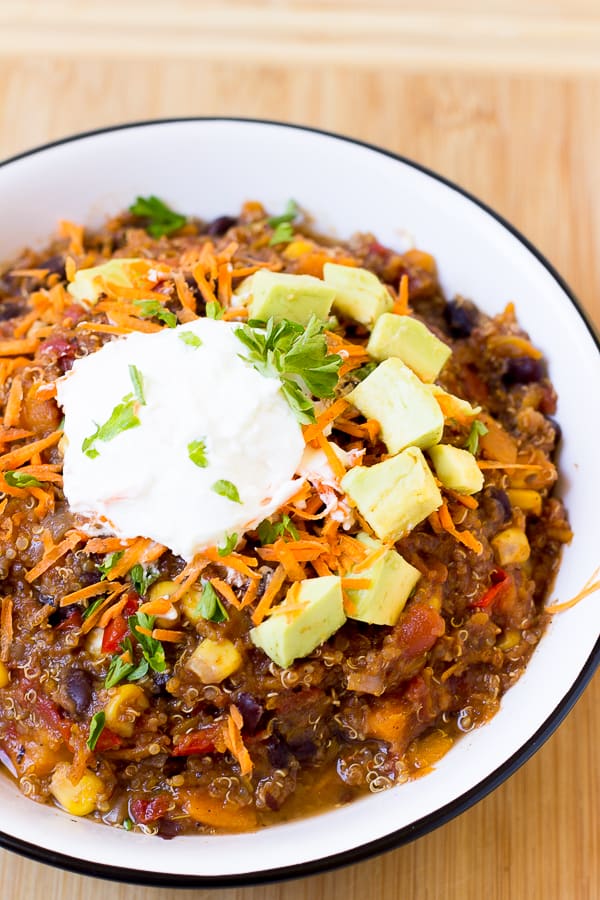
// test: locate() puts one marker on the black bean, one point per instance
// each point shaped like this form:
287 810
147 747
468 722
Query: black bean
278 752
219 226
79 689
251 710
167 829
523 370
10 309
461 317
55 266
557 429
499 498
303 749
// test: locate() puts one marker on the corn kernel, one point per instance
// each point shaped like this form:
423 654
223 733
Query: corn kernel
214 661
511 546
190 606
528 501
162 590
124 707
78 799
4 675
297 249
510 639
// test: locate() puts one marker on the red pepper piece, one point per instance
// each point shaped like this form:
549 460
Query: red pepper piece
108 740
196 742
145 811
51 714
499 579
114 633
131 607
73 620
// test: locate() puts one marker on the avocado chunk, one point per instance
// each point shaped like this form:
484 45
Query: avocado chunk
393 496
86 287
282 296
412 342
453 407
406 411
392 580
359 294
316 611
457 469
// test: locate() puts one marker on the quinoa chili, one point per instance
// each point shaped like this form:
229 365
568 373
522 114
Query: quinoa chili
102 708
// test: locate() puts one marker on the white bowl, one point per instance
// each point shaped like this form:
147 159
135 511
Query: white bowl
209 167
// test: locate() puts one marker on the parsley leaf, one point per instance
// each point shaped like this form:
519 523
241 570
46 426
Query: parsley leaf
162 220
142 578
282 234
297 355
214 310
117 671
92 608
268 532
137 381
96 728
197 453
122 418
110 560
226 489
189 338
209 605
153 309
152 650
228 546
472 443
20 479
288 215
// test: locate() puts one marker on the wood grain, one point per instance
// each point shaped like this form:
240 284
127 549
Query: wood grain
527 141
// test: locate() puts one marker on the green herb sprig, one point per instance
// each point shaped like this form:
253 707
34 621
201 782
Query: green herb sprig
153 309
109 561
226 489
283 231
122 418
478 429
197 453
269 532
96 728
142 578
20 479
161 219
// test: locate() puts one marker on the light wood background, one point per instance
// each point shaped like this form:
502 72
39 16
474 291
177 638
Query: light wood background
501 96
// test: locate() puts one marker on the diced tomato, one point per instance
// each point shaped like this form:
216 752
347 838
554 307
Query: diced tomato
108 740
51 714
418 629
145 811
73 620
114 633
500 581
196 742
74 312
475 387
131 607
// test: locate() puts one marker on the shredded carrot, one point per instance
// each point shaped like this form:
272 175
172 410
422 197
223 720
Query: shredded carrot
16 347
46 391
143 630
6 628
323 420
400 307
105 545
226 591
356 584
250 594
168 635
513 345
590 587
112 612
335 463
74 233
234 741
159 607
102 328
464 537
237 562
370 559
45 501
235 312
92 590
51 558
29 273
321 567
224 284
270 595
13 434
137 552
185 295
16 458
494 464
188 576
7 488
465 499
92 619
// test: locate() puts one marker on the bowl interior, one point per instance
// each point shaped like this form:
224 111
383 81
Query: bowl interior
209 167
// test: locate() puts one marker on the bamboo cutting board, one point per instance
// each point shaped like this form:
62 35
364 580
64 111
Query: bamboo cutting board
503 98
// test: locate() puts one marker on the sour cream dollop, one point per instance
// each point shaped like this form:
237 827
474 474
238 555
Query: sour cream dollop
143 481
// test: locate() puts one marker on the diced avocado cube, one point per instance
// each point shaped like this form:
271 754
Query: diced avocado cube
412 342
283 296
406 411
311 612
453 407
392 580
359 294
457 469
393 496
86 287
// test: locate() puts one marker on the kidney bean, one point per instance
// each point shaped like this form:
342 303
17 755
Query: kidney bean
523 370
55 266
499 499
461 318
251 710
278 752
220 225
303 749
79 689
10 309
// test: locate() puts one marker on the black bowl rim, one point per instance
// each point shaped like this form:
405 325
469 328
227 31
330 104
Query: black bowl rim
427 823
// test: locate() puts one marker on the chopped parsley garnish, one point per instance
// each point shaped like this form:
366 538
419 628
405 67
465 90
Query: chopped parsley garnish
283 234
127 824
96 728
282 224
20 479
228 546
226 489
110 560
189 338
297 355
153 309
209 605
268 532
214 310
152 650
478 429
197 453
142 578
118 669
92 608
161 219
365 370
137 381
122 418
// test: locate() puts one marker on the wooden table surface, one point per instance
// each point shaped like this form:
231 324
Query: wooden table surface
504 98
